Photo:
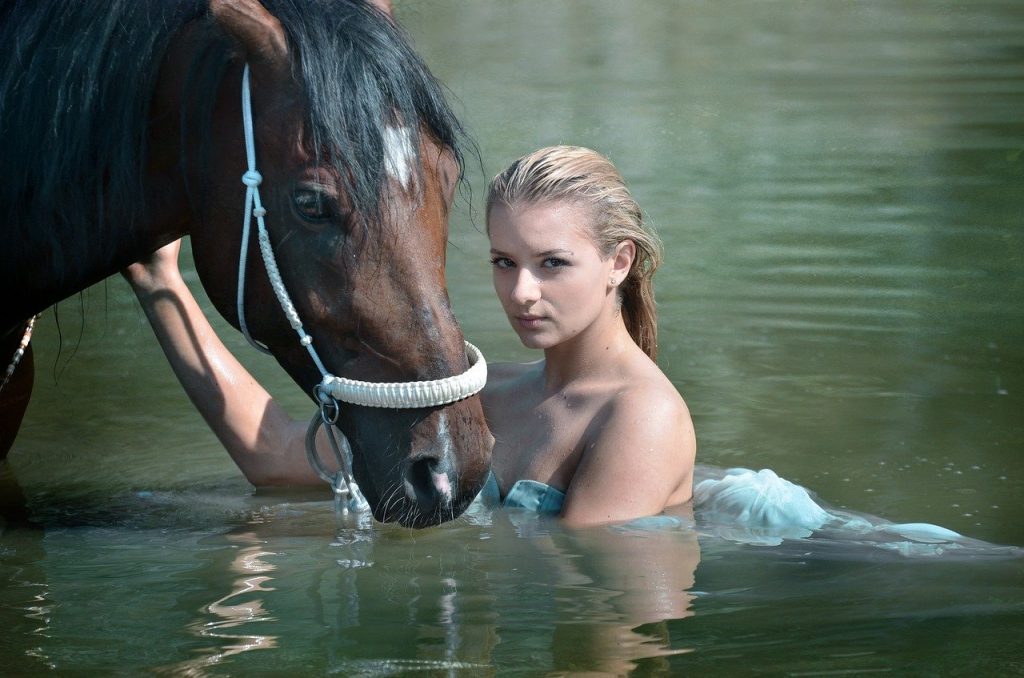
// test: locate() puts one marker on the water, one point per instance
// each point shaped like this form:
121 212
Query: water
839 190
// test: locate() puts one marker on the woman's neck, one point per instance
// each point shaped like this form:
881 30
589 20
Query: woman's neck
596 352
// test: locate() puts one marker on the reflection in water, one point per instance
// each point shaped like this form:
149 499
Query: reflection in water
616 588
496 589
395 604
39 610
483 593
23 589
492 593
26 592
228 614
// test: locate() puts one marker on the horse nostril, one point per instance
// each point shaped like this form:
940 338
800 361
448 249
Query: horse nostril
427 484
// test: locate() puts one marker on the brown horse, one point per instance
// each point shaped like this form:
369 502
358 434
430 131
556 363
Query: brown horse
120 131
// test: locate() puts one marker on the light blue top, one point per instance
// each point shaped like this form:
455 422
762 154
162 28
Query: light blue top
539 498
759 507
530 495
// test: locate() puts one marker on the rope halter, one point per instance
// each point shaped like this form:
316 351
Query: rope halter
332 389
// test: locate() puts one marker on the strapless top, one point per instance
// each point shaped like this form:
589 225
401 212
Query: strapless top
537 498
531 495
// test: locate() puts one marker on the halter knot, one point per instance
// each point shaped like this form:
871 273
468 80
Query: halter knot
252 178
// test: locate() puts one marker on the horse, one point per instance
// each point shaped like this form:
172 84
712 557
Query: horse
121 131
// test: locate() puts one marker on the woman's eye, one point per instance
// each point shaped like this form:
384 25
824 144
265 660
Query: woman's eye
502 262
555 262
312 205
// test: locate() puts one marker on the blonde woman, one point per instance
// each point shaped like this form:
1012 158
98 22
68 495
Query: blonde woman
593 431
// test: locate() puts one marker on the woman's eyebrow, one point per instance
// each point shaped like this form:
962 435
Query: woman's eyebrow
538 255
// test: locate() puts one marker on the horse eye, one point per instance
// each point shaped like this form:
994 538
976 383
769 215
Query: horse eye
312 205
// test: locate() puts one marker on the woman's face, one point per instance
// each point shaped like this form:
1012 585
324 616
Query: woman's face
550 277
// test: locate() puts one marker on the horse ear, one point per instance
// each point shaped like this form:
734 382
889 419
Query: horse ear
259 31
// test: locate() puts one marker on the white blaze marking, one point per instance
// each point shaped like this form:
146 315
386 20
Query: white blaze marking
442 483
444 487
398 154
441 480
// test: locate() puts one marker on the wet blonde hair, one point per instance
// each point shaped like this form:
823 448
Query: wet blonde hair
584 177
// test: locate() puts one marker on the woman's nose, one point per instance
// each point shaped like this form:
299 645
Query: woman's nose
527 288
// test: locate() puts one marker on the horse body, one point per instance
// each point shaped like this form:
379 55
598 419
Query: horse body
359 157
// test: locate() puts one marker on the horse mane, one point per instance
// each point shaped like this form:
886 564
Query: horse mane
360 75
76 80
75 85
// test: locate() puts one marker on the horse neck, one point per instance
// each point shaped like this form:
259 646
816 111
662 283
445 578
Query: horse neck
57 247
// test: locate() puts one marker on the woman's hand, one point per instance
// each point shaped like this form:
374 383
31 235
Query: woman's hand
157 271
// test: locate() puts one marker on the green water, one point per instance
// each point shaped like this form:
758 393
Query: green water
839 189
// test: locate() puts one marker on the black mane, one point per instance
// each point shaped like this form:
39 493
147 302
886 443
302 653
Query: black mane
361 74
76 79
75 84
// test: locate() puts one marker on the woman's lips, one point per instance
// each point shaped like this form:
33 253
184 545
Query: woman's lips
529 322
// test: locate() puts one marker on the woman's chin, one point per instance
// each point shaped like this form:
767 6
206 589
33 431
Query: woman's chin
534 340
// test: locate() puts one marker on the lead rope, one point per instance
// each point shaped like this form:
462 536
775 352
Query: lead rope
19 352
332 389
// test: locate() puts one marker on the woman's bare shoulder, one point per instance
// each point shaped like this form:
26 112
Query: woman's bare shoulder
655 397
639 452
651 396
647 382
650 423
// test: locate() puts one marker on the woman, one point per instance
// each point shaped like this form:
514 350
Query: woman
594 430
595 419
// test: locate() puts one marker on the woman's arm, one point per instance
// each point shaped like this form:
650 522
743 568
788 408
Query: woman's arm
638 460
262 439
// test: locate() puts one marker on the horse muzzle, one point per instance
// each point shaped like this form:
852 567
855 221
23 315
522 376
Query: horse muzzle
431 472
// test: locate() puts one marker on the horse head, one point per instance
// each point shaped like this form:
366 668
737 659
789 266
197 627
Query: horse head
359 166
